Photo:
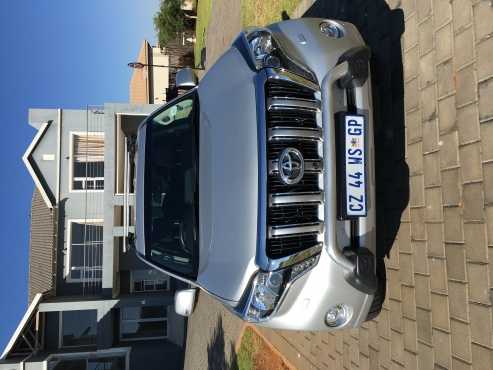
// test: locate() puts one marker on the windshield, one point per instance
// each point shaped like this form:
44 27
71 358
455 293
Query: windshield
170 200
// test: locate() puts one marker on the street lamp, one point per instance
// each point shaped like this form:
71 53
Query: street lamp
139 65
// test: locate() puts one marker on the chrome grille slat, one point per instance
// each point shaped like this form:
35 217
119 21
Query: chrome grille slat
294 133
295 198
294 230
293 221
289 103
286 77
311 165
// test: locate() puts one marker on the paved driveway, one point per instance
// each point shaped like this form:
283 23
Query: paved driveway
211 336
224 26
438 312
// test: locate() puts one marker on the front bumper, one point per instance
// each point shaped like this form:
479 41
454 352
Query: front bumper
338 277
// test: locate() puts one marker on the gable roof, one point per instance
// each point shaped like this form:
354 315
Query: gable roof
27 159
140 91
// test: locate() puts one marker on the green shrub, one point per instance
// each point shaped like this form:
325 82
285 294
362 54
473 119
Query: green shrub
169 20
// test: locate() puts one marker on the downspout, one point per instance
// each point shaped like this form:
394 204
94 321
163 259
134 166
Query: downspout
57 200
59 154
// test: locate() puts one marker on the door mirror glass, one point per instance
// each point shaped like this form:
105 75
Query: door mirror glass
185 302
186 78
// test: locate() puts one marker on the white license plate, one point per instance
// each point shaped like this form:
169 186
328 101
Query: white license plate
355 166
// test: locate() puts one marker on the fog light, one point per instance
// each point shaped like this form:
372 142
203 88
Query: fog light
332 29
338 315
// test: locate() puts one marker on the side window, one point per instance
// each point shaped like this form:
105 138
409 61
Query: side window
85 251
87 161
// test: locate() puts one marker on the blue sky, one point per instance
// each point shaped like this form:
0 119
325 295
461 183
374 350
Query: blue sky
54 53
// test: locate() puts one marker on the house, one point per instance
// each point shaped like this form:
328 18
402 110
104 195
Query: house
93 303
155 82
149 85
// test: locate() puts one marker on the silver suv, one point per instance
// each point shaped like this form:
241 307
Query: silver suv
257 185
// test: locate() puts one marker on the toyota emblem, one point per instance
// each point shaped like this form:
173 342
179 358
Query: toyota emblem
291 166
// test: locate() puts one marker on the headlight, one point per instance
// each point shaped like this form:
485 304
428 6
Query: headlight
263 46
267 53
268 288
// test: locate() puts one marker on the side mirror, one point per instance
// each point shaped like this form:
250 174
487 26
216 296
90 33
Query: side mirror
185 302
186 78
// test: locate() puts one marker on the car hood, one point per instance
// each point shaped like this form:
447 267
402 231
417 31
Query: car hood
228 177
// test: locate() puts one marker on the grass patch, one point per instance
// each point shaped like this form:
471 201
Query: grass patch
204 8
246 353
255 354
262 12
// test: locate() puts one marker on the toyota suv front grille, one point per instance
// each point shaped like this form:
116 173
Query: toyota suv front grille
294 182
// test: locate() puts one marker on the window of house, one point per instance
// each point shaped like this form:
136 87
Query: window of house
150 285
78 328
148 281
88 161
143 323
101 360
85 251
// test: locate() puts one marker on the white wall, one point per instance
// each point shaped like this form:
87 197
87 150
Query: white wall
160 76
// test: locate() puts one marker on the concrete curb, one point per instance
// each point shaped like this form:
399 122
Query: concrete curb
269 344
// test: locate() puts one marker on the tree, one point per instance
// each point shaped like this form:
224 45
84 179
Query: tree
169 20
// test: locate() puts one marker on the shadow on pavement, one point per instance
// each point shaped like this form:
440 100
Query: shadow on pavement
381 29
216 350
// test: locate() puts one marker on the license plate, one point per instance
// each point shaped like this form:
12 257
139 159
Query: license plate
354 168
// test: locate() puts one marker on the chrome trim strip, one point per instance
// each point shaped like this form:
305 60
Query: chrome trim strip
284 75
311 166
294 133
261 258
285 103
287 261
295 230
281 199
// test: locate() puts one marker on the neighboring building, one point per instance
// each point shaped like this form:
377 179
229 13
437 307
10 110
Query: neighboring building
157 85
149 85
93 304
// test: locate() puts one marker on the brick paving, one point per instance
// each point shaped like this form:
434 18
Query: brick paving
438 311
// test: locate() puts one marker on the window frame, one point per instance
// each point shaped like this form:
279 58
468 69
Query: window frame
110 352
60 332
68 267
155 282
160 319
193 95
71 165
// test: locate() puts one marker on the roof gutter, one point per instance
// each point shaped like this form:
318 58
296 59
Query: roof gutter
25 319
